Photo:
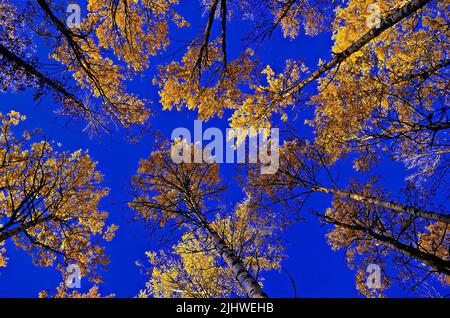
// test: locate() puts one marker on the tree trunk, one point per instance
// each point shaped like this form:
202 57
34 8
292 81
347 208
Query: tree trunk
247 282
441 265
444 218
24 226
30 69
392 19
245 279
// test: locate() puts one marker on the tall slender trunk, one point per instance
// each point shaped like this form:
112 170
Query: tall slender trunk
30 69
389 21
245 279
23 227
441 265
397 207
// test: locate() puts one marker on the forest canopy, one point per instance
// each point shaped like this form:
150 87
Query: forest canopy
358 90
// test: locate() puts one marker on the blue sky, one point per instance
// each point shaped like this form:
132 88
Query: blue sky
316 269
